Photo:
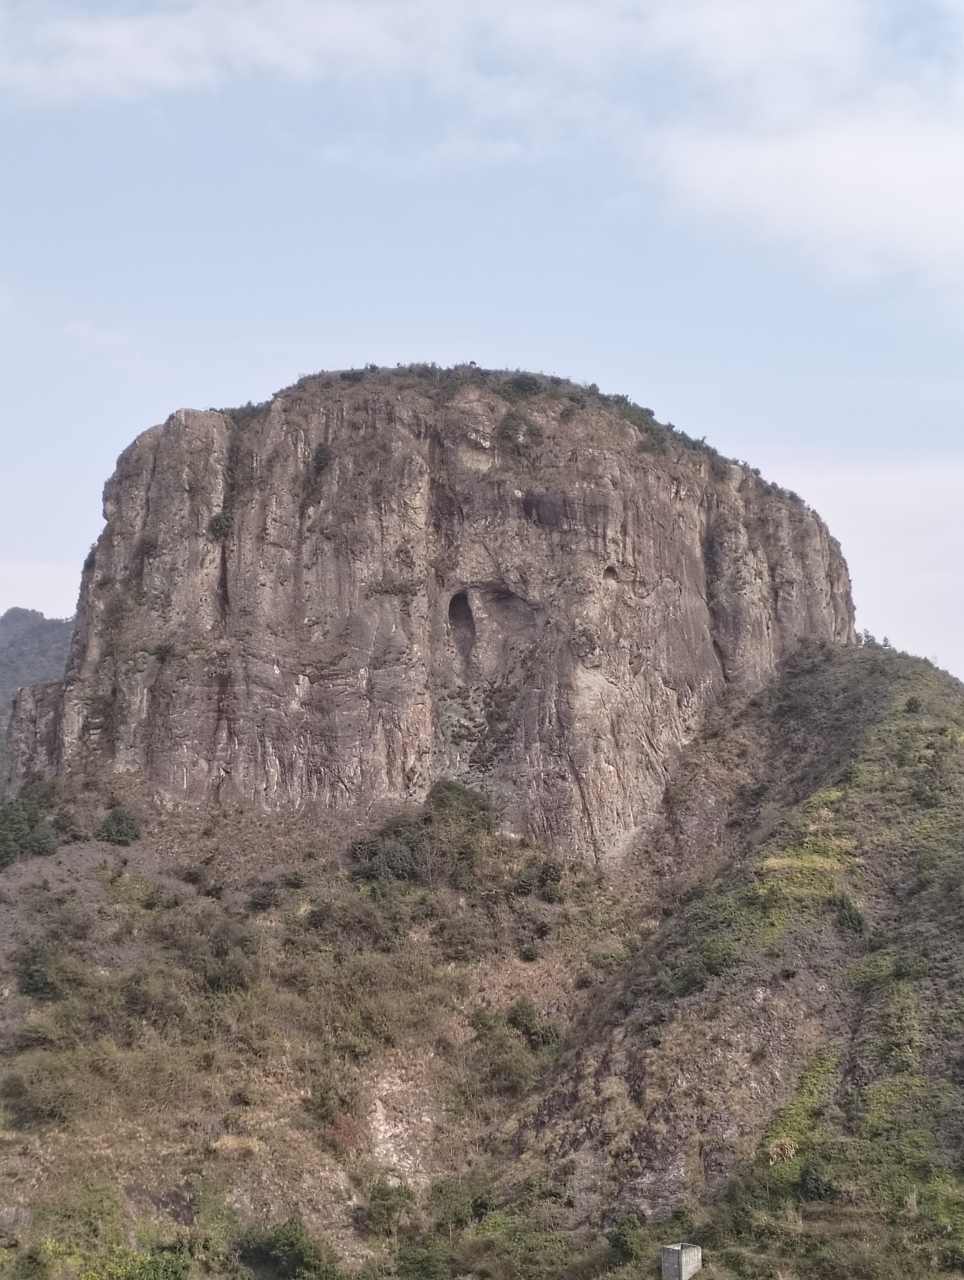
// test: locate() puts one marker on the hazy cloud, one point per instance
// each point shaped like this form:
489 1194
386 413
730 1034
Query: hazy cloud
900 529
50 587
835 124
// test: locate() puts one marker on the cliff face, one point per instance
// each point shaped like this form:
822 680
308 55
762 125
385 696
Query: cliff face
32 648
374 581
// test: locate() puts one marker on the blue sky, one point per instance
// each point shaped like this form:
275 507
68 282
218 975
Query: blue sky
746 214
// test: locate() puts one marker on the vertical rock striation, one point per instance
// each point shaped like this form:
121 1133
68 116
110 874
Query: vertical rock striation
32 648
376 580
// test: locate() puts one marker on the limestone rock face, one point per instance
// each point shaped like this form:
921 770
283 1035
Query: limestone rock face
374 581
32 648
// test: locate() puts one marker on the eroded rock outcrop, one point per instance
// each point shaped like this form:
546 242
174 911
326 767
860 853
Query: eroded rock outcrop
376 580
32 648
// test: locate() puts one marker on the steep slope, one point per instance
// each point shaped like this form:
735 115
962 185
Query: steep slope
452 1054
380 579
797 1009
32 649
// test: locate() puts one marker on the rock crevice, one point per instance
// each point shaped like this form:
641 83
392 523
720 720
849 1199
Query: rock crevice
332 600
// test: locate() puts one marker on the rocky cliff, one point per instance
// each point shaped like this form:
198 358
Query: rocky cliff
379 579
32 648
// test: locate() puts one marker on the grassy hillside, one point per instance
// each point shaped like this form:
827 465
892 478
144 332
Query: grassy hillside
426 1049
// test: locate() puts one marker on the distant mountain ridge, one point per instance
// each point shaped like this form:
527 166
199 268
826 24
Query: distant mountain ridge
33 649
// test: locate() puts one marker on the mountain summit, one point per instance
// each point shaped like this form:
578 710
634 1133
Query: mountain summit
469 842
383 578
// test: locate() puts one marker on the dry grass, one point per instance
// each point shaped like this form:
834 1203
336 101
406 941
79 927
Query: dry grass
760 1012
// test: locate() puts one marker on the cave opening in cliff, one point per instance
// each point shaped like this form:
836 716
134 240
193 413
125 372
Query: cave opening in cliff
610 574
462 621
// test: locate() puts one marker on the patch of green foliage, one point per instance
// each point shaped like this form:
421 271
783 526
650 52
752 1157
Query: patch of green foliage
445 842
24 824
119 826
521 431
321 459
859 1175
289 1251
387 1202
14 831
236 472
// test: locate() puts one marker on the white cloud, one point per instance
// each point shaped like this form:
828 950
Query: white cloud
835 124
866 191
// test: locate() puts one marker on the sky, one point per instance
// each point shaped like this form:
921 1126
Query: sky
747 215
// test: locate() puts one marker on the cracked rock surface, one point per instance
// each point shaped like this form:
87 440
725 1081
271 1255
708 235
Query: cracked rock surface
376 580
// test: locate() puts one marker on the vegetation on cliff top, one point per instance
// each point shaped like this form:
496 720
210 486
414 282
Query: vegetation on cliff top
520 391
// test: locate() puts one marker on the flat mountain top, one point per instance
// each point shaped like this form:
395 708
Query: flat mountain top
383 579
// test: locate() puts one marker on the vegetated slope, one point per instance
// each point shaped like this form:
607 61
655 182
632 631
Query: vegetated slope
452 1054
383 578
799 1003
32 648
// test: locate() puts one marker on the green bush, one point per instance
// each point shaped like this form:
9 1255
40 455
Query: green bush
120 826
14 830
221 950
460 939
439 844
519 430
549 880
523 385
326 1101
506 1067
424 1262
537 1032
35 1262
160 1265
456 1202
42 840
507 1245
323 1102
265 896
65 823
814 1182
849 917
387 1201
42 970
628 1241
361 921
391 860
219 526
288 1251
321 459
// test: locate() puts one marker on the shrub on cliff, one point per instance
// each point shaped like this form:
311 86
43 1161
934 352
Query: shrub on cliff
519 430
160 1265
23 830
387 1202
288 1251
14 830
120 826
440 844
42 840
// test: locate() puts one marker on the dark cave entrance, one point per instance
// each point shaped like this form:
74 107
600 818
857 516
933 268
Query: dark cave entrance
462 622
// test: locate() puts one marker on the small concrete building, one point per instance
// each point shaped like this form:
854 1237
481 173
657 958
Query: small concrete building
680 1261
